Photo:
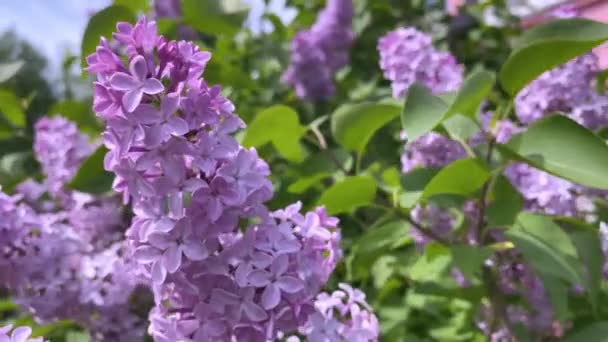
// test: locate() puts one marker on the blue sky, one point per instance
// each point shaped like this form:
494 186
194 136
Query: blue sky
56 26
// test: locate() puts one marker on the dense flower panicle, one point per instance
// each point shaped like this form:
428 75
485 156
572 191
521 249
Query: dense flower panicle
60 148
317 53
19 334
407 56
568 88
343 315
63 252
221 265
333 32
431 150
547 194
308 73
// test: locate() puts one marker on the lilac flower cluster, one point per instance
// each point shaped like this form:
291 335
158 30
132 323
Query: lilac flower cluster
60 149
569 89
221 265
173 9
343 315
408 56
19 334
431 150
317 53
63 252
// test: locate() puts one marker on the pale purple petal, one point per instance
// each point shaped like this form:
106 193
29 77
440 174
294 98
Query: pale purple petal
146 114
290 284
195 250
271 296
152 86
138 68
159 273
132 99
172 258
146 254
259 278
121 81
21 334
170 104
280 265
177 126
254 312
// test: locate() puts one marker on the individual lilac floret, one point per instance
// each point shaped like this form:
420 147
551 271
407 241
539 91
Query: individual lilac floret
317 53
343 315
19 334
431 150
569 89
221 265
407 56
60 148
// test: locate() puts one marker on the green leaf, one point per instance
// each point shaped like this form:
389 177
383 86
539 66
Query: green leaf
15 144
102 24
461 127
596 332
558 296
213 16
77 336
564 148
137 6
506 202
280 125
432 266
414 183
11 108
474 91
318 167
546 247
462 177
547 46
383 237
589 249
354 125
80 113
470 259
349 194
422 112
10 69
91 177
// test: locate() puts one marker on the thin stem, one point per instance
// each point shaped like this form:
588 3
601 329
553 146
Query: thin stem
322 144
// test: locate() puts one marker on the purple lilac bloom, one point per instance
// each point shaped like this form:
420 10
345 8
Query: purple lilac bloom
547 194
407 56
317 53
221 265
343 315
19 334
431 150
172 9
66 259
438 220
60 148
568 89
